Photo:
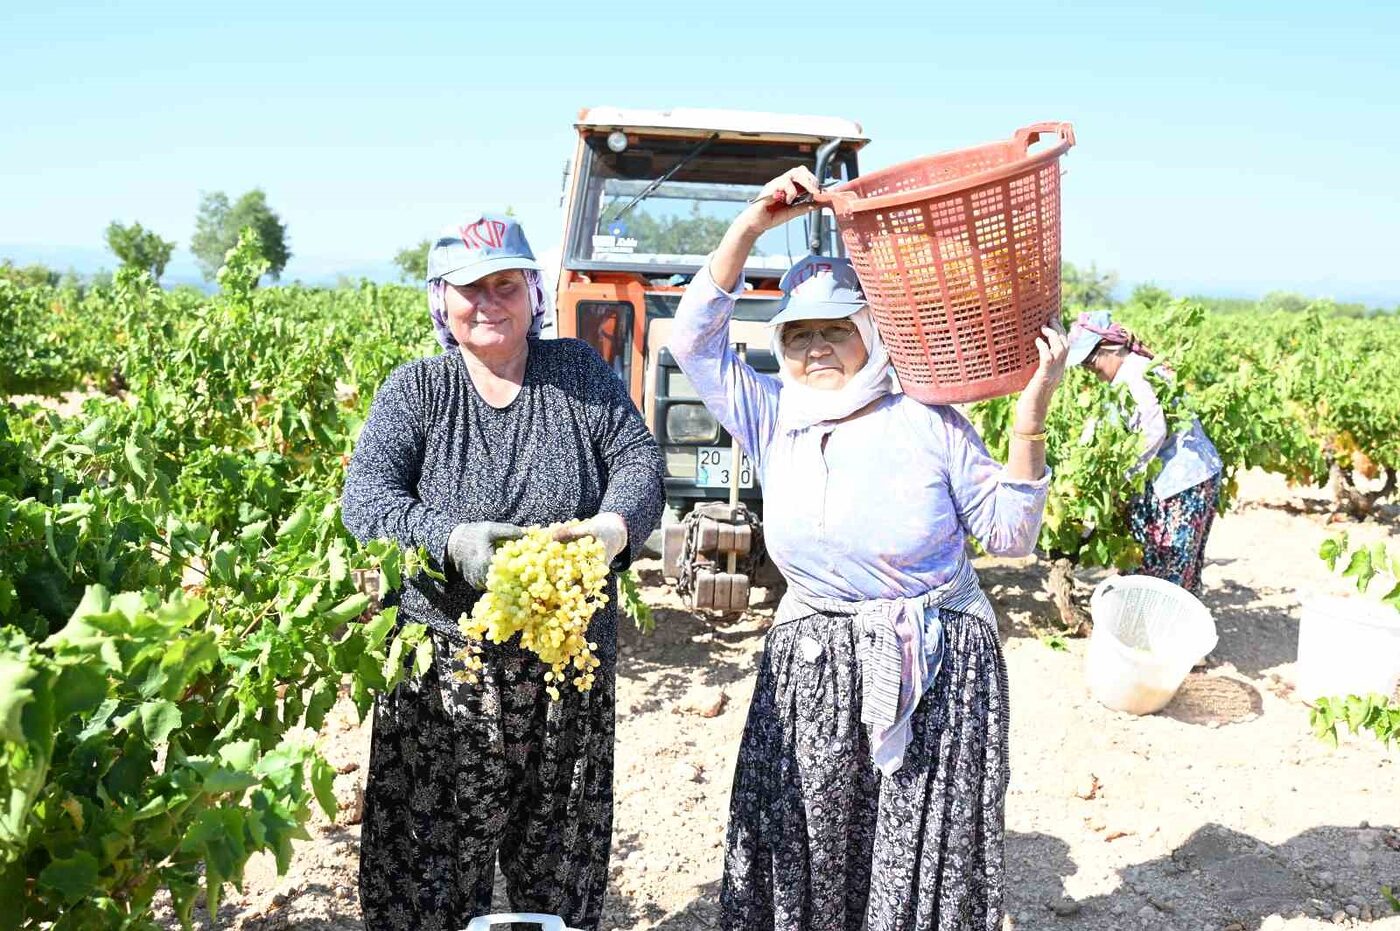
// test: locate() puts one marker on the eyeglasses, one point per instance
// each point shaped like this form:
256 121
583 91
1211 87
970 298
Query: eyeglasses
801 337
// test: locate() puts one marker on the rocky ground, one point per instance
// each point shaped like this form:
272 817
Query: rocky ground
1221 813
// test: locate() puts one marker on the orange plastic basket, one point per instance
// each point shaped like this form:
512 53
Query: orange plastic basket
959 255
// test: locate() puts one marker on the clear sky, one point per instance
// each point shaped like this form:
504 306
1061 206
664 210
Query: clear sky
1231 147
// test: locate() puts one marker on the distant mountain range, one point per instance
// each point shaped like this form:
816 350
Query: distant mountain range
328 270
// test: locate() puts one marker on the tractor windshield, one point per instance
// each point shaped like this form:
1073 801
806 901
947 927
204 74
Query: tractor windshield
671 227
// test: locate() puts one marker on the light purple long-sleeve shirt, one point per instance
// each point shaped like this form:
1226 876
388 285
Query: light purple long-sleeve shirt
885 510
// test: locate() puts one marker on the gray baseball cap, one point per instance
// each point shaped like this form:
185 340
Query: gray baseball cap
482 246
819 287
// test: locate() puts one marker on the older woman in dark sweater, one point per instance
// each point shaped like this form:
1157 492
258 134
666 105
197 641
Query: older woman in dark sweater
462 450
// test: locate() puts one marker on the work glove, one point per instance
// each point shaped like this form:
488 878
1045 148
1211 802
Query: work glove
471 546
607 528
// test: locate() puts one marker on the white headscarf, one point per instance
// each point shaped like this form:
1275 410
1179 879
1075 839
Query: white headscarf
801 406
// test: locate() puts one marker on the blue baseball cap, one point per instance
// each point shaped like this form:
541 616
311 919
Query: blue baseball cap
819 287
482 246
1083 340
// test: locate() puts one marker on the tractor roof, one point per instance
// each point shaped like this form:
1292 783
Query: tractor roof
736 123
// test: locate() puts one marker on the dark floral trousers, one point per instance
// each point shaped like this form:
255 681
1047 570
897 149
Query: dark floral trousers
819 840
463 774
1173 533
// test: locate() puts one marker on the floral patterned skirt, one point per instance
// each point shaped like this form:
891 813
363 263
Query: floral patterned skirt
1173 533
820 841
462 774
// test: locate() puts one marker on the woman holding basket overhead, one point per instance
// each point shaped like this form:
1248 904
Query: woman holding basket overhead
871 779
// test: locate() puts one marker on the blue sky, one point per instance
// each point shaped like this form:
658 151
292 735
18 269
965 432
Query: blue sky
1223 147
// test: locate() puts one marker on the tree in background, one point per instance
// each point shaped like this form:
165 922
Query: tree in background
139 248
28 276
666 234
1286 301
217 225
1151 296
413 262
1086 289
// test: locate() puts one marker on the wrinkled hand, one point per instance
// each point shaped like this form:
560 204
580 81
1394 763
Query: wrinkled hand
1034 403
471 546
607 528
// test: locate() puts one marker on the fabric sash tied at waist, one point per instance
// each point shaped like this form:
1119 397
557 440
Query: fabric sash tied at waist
899 645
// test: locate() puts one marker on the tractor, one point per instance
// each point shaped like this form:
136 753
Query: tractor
647 196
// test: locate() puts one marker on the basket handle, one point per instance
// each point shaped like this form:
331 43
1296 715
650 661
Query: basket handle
846 202
841 202
1028 136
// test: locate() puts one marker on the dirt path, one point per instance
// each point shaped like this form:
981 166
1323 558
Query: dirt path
1220 813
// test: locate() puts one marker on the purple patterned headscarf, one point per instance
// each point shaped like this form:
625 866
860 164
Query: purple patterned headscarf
437 306
1115 334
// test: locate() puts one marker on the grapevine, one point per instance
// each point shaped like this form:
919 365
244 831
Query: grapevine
1379 714
178 597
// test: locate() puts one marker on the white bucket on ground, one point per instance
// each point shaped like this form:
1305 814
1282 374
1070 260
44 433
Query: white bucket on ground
546 922
1347 646
1148 633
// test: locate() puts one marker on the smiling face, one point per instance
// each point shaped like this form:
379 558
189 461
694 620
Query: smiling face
492 314
823 354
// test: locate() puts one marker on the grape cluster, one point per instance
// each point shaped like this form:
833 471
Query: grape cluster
546 590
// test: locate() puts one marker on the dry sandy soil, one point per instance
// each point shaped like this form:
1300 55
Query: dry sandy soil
1221 812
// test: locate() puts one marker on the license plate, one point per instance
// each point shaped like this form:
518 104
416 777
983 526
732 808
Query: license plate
713 465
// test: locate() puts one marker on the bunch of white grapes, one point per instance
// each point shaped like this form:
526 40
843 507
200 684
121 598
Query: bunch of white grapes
545 590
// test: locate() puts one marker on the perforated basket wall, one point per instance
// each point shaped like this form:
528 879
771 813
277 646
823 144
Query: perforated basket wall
959 255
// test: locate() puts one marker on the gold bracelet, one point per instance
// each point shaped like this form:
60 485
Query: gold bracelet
1029 437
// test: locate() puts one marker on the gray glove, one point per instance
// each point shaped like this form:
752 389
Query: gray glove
471 546
607 528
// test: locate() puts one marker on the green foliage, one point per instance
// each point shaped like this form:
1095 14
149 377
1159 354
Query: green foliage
1150 296
1269 395
1228 378
196 510
413 262
1379 714
219 223
178 597
147 736
1086 289
1287 302
47 341
632 604
28 276
1090 456
1364 564
668 234
1292 392
139 248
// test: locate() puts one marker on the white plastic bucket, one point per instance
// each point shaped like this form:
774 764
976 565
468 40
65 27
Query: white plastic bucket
546 922
1347 646
1148 633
